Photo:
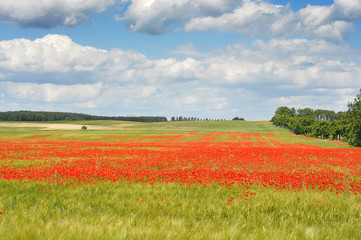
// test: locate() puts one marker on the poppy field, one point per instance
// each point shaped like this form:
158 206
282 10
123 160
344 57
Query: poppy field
177 184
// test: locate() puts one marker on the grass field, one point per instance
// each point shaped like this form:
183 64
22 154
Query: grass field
176 180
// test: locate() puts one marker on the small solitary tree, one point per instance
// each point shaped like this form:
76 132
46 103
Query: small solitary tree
84 128
238 118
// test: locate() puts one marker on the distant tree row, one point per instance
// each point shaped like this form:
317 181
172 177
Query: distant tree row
180 118
59 116
325 124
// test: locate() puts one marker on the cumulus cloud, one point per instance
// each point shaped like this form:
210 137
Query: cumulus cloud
348 9
60 55
260 18
328 22
54 70
249 17
48 14
153 16
296 62
256 18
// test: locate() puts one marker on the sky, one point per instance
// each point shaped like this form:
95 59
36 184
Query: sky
213 59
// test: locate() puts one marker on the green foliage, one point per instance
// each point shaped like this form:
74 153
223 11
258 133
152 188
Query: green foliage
315 123
354 117
59 116
283 117
237 118
304 125
84 128
285 111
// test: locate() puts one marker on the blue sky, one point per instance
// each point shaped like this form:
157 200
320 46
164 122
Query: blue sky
199 58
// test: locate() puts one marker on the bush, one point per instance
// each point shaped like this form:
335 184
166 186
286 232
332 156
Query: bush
237 118
84 128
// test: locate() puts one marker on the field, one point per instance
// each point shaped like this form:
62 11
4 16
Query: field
175 180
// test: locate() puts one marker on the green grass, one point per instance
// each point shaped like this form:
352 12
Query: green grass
239 126
136 130
115 212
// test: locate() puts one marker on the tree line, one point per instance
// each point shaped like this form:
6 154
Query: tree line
326 124
180 118
60 116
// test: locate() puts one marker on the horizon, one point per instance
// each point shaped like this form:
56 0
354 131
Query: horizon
207 59
168 119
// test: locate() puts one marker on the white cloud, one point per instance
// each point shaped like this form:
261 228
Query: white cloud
189 100
218 103
53 53
146 91
55 73
166 70
255 18
48 14
348 9
295 62
153 16
199 100
250 17
60 55
259 18
316 15
50 93
327 22
189 50
318 98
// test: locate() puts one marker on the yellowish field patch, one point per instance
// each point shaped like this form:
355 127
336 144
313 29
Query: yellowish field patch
55 126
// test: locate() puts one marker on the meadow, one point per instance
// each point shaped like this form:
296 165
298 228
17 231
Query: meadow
175 180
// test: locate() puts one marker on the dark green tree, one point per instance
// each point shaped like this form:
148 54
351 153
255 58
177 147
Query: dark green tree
285 111
238 118
305 112
354 118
